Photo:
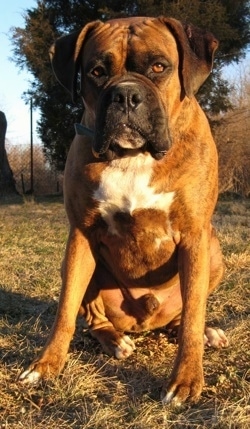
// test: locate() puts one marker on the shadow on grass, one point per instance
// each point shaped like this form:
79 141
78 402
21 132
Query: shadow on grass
14 199
17 199
24 324
18 307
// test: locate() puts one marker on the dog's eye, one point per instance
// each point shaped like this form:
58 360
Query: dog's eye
158 68
98 71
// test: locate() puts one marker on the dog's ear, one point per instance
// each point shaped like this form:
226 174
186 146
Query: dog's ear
196 50
64 56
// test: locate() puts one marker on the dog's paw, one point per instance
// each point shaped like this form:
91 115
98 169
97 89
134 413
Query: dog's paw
215 337
29 376
125 347
186 383
46 366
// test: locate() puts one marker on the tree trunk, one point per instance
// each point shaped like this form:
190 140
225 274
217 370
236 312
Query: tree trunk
7 181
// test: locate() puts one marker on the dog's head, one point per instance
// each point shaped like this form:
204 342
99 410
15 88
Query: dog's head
135 72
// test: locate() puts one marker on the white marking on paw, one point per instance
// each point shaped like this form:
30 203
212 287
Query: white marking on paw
167 398
125 348
29 376
215 338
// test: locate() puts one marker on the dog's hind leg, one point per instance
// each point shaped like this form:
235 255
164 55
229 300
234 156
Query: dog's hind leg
114 342
112 339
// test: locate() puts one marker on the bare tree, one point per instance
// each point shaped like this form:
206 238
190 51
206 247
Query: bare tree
233 138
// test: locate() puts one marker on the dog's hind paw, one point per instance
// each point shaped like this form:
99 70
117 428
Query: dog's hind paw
215 337
125 348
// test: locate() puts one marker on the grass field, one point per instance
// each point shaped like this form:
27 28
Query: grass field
95 391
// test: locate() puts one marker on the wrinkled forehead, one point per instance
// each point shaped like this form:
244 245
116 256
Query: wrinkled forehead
130 37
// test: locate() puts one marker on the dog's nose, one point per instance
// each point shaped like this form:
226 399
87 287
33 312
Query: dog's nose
127 97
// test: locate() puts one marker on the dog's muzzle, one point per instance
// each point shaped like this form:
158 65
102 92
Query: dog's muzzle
130 119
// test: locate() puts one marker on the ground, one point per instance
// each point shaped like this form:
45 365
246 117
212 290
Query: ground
95 391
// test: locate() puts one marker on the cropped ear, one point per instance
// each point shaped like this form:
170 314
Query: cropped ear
196 50
64 56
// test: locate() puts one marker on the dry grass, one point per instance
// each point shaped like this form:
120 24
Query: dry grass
94 391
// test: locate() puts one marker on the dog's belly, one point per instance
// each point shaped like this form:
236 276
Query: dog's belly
142 309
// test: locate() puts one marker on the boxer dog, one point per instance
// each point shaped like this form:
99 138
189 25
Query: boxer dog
140 189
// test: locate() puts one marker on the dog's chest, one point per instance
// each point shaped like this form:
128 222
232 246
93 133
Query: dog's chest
125 187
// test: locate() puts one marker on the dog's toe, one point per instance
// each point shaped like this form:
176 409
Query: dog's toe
125 348
215 337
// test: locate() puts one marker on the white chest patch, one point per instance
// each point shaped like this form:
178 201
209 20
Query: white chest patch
124 186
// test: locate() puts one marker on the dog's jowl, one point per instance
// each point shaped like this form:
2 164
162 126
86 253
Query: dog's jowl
140 189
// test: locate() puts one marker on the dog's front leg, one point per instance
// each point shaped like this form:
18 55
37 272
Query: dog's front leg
78 267
186 379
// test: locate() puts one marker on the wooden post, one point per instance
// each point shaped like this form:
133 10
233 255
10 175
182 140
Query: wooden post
31 149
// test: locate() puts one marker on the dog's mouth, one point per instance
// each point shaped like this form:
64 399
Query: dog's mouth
122 140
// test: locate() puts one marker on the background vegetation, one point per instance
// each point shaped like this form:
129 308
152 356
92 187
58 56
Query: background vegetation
232 135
